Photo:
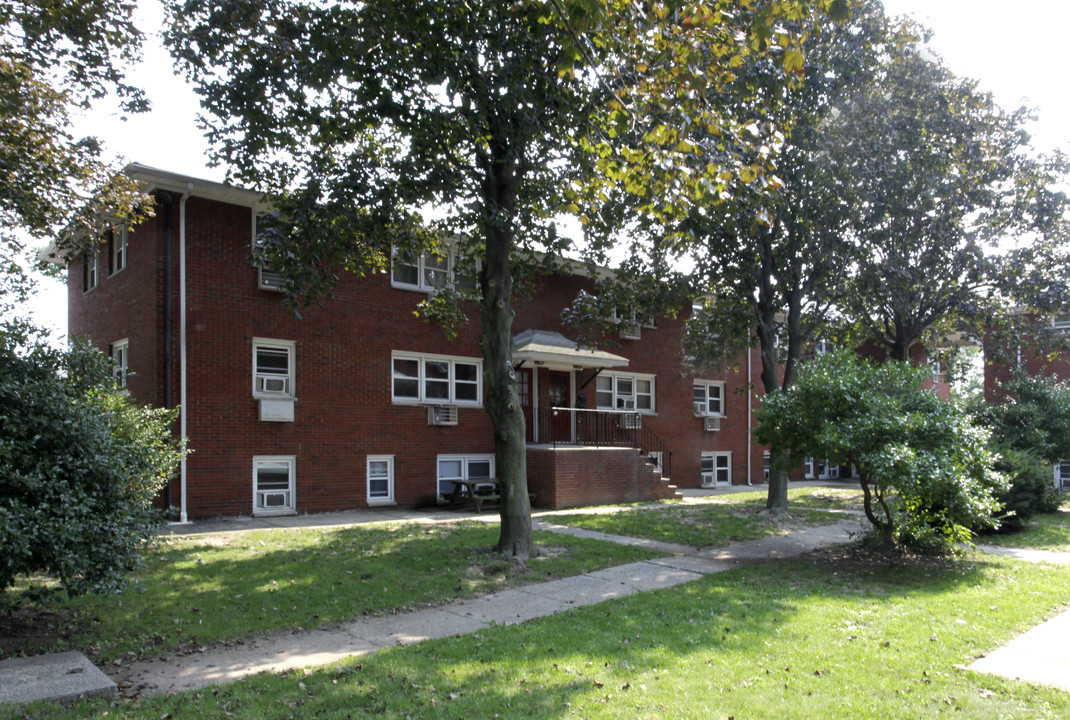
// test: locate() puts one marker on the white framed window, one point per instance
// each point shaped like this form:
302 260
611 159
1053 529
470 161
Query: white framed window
615 391
274 480
429 272
820 469
708 398
1061 322
90 267
437 379
823 347
118 244
452 468
120 356
716 469
767 465
380 479
273 368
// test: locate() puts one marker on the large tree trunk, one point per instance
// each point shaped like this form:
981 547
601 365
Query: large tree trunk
500 399
777 499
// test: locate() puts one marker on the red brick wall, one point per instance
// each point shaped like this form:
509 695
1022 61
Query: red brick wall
571 477
344 411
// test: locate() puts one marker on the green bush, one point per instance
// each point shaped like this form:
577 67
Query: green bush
926 472
1031 489
80 465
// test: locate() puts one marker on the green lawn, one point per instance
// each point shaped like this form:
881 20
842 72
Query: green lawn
721 520
835 497
1042 532
831 637
204 589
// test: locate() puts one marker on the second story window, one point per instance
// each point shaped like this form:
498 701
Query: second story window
625 392
436 379
89 270
709 398
273 368
428 272
118 249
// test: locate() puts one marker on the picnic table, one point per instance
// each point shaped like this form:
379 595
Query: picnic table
474 492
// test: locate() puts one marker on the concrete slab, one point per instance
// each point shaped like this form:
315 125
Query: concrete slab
643 576
63 676
694 565
1041 655
1036 556
509 607
580 590
408 628
783 546
656 546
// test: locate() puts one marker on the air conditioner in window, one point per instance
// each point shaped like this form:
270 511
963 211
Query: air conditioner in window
713 423
270 280
626 404
631 421
630 331
700 409
273 385
708 481
274 499
441 415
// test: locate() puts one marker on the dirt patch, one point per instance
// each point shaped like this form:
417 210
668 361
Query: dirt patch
32 630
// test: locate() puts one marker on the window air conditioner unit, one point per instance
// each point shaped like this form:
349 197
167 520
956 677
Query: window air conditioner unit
630 331
441 415
626 404
700 409
270 500
270 280
273 385
713 423
708 481
631 421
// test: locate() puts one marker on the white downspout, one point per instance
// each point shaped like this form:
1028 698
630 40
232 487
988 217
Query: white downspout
750 407
182 516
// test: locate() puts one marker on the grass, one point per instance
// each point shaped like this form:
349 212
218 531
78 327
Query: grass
199 590
726 518
1041 532
832 636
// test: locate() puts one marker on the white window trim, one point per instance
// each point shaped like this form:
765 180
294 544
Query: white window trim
388 499
1060 322
422 358
465 461
120 355
119 248
720 384
421 285
91 271
290 347
634 377
714 456
290 463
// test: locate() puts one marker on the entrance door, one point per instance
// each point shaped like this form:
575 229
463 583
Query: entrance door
558 388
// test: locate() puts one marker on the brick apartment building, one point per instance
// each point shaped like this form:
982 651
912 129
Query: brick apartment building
360 403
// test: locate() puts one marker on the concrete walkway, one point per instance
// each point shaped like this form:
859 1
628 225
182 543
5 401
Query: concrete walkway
289 650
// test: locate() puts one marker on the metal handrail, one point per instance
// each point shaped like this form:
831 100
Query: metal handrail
599 428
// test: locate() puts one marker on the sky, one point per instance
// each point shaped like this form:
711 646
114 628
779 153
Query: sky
1014 50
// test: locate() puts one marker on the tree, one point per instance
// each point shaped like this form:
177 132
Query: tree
1030 427
81 465
354 117
937 175
772 259
925 470
55 57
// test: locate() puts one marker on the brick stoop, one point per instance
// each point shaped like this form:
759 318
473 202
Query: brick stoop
573 476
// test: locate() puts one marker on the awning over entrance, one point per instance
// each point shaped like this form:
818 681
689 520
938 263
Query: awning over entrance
545 347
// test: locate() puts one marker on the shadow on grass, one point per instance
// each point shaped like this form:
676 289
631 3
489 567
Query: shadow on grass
222 588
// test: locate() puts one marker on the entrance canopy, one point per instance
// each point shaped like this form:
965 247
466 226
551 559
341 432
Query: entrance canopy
548 348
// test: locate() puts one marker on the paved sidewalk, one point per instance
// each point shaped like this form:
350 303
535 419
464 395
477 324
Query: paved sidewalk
289 650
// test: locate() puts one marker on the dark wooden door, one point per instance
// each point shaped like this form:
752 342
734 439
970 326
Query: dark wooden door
558 389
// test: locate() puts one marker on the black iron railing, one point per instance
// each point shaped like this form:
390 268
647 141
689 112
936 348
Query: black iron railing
600 428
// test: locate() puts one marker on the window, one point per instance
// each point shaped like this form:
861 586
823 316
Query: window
1062 476
625 392
120 356
89 270
118 242
767 464
819 469
709 398
273 368
1061 322
436 379
428 272
823 347
716 468
265 279
273 485
380 479
462 467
